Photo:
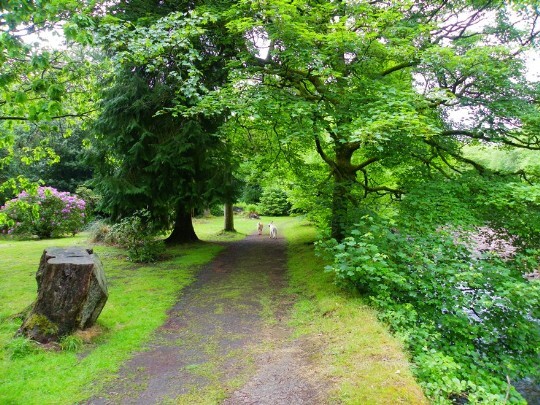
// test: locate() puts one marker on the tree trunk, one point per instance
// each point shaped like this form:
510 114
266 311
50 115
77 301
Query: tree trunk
344 178
183 231
339 208
72 291
229 218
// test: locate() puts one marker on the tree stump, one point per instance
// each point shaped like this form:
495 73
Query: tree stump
72 291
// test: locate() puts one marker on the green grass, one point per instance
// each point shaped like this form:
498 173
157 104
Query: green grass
139 297
211 229
366 363
357 353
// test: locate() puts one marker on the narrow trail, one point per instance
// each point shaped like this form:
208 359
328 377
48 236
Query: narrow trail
226 340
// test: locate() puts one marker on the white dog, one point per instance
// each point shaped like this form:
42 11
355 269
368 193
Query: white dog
273 230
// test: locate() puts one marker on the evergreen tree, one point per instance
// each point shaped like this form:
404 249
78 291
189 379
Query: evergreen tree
162 163
164 153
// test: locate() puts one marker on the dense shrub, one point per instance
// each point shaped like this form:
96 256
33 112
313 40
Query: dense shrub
216 210
470 321
45 213
251 194
138 237
274 202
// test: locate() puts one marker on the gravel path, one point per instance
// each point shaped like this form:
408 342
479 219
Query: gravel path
226 340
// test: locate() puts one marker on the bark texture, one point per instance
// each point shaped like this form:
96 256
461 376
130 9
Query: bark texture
229 218
72 291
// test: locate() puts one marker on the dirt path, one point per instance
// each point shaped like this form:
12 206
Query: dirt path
226 340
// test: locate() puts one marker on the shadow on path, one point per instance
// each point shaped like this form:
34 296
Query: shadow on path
226 340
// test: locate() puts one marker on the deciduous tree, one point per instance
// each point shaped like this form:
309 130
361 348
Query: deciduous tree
374 85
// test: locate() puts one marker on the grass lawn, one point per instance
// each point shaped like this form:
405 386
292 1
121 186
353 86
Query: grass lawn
139 297
367 365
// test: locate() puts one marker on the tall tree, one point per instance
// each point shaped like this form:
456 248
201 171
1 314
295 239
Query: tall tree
157 162
169 155
374 86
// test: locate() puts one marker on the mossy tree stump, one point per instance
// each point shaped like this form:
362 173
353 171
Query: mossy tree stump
72 291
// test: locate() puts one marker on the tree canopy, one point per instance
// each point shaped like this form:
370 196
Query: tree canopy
378 86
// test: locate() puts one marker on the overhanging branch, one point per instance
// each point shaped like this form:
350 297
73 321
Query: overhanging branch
483 137
56 117
365 163
400 66
481 169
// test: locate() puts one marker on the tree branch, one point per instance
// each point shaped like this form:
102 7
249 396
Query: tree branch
482 137
12 118
481 169
400 66
323 154
364 164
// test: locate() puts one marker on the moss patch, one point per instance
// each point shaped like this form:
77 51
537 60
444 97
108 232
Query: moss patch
40 325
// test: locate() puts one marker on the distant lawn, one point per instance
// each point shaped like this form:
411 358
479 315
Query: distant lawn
358 354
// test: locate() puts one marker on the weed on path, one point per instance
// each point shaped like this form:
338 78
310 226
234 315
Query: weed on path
226 340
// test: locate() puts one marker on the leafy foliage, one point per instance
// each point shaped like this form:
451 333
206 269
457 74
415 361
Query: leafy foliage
54 156
137 235
372 90
38 82
509 207
155 148
274 202
469 317
144 160
251 193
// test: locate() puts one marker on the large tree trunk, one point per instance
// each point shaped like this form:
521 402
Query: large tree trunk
229 218
344 174
339 208
344 179
183 231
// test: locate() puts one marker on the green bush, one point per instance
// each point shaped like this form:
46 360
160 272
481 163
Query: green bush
274 202
99 231
217 210
251 194
469 322
138 237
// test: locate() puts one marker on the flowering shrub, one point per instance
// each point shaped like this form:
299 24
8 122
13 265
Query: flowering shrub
45 213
